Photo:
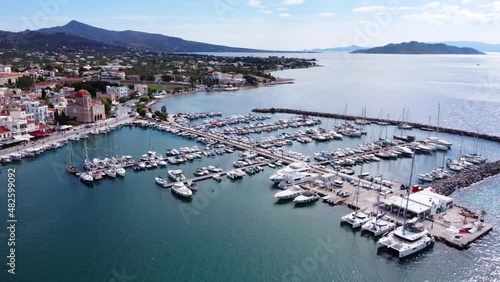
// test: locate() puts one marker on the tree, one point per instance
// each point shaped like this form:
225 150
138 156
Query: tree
143 112
107 106
25 82
131 86
166 78
51 106
10 81
164 109
56 115
123 100
144 99
44 94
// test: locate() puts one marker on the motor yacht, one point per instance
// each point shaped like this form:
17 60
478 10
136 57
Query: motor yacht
180 189
161 181
284 173
290 193
297 178
306 197
176 175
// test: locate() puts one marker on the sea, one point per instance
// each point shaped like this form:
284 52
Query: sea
130 229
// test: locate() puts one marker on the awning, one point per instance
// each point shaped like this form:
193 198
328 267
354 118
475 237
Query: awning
64 127
39 133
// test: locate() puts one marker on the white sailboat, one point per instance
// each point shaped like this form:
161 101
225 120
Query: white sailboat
407 239
356 218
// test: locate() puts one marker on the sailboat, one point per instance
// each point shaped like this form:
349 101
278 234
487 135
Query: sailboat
407 239
356 218
403 125
381 223
69 165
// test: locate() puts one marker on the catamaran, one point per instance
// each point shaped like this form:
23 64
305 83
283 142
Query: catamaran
407 239
356 218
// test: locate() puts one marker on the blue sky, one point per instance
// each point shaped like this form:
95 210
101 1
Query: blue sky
273 24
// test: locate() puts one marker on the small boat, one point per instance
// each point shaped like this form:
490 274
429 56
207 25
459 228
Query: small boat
162 163
176 175
356 218
120 171
306 197
217 178
271 165
110 173
192 186
97 174
161 181
180 189
86 177
71 169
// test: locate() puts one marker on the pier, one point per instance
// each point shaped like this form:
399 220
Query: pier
374 120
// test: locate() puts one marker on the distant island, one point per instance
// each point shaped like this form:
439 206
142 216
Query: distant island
339 49
419 48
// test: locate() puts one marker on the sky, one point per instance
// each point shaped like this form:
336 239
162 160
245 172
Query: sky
272 24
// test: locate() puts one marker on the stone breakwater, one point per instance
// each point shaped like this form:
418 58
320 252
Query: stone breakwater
448 185
391 122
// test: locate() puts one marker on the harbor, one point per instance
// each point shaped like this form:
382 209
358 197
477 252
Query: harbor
331 175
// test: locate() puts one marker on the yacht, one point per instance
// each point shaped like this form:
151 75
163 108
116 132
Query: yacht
356 218
379 225
282 174
176 175
110 172
180 189
162 163
290 193
120 171
161 181
297 178
192 186
306 197
86 177
407 239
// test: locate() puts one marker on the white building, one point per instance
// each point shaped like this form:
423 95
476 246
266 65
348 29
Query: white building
141 89
40 112
19 123
117 91
4 68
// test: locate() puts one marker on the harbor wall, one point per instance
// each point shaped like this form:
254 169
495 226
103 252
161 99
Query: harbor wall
448 185
391 122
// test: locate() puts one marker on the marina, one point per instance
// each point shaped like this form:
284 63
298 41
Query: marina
330 177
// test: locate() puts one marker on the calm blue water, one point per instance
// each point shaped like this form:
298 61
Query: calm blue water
132 230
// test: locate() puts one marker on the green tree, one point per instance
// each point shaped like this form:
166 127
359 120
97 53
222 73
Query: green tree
56 115
51 106
164 109
142 112
123 100
25 82
107 106
131 86
166 78
144 99
44 94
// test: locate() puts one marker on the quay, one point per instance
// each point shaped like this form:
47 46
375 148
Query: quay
389 121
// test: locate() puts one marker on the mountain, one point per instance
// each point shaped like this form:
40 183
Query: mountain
414 47
141 40
340 49
480 46
38 41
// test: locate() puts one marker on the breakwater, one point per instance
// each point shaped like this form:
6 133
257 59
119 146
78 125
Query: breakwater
374 120
448 185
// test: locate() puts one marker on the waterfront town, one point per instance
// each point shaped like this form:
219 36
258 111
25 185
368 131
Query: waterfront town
39 91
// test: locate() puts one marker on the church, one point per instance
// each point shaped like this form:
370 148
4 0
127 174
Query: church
84 109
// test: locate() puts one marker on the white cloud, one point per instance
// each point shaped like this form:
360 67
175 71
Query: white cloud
284 15
495 6
293 2
265 12
327 15
467 1
440 14
255 3
370 9
431 5
282 9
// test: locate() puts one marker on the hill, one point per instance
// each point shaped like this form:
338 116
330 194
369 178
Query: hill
414 47
37 41
141 40
480 46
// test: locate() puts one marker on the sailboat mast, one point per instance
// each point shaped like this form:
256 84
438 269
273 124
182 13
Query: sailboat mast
357 188
408 191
